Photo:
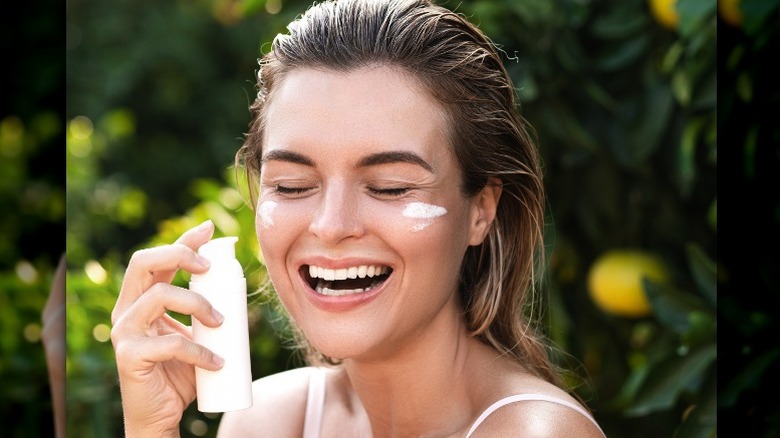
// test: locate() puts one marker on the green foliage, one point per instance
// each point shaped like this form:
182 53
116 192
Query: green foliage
25 400
93 405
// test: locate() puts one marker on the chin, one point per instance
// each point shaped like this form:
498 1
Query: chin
342 345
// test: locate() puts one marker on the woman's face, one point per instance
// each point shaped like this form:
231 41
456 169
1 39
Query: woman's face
360 219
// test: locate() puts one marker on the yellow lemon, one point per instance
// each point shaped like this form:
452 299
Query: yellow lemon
729 12
665 12
615 281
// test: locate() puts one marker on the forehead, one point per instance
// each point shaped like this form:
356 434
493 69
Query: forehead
378 107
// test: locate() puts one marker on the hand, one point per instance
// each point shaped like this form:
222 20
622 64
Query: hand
155 353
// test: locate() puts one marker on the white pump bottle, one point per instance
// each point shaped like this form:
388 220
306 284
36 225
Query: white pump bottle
224 286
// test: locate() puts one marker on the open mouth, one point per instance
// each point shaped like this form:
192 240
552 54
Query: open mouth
346 281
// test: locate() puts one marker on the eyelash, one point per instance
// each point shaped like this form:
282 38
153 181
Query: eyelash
291 190
389 192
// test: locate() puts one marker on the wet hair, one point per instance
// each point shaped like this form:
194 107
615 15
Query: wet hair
462 69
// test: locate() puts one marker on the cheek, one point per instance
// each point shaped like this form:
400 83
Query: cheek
277 224
428 230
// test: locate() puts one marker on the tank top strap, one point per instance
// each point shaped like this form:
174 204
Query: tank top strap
315 404
529 397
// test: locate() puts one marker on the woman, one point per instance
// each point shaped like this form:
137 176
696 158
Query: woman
400 215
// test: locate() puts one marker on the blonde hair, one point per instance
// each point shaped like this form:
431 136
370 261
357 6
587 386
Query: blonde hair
462 69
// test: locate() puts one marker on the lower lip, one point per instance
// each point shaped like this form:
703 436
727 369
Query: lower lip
342 303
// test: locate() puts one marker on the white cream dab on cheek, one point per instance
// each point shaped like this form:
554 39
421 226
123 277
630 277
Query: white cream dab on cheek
425 213
267 213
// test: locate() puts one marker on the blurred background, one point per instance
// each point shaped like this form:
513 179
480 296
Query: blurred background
625 95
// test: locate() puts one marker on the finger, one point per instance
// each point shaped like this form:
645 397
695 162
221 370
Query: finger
159 264
162 297
192 239
142 353
175 326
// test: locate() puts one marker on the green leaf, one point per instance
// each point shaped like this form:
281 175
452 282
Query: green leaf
755 14
600 95
712 215
682 87
646 137
702 328
701 421
561 121
631 386
671 306
686 160
622 22
569 52
670 378
624 53
534 12
750 377
672 56
703 272
693 13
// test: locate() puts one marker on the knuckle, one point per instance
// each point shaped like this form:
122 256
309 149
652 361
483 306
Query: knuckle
203 354
159 292
115 315
138 255
155 290
118 332
182 251
178 342
116 337
121 349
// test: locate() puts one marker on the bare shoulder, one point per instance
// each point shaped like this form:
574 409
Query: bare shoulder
537 419
535 408
278 408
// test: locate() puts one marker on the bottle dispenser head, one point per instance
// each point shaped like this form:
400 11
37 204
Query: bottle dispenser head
221 253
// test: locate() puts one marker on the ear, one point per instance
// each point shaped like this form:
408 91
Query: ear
483 210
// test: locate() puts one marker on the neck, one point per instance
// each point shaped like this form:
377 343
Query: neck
422 387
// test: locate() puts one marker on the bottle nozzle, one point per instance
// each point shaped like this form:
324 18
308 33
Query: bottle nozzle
219 249
221 253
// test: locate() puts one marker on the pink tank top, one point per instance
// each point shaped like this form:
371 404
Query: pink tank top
315 404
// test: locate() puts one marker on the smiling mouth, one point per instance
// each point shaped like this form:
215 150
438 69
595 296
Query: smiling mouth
346 281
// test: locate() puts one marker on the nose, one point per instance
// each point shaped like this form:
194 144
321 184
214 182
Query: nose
337 216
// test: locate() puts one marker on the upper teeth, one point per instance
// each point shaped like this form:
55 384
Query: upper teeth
361 271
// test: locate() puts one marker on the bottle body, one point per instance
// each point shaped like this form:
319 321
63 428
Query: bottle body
229 388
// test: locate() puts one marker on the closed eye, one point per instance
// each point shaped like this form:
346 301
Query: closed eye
291 190
389 192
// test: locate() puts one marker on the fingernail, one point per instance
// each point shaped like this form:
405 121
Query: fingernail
204 225
217 359
218 316
203 261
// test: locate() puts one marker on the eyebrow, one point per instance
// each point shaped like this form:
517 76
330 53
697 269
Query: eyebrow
376 159
394 157
288 156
